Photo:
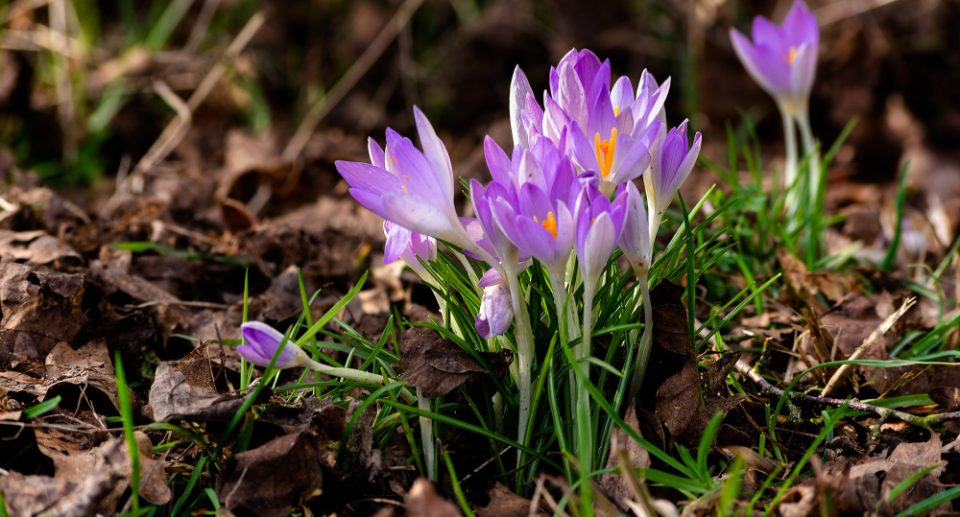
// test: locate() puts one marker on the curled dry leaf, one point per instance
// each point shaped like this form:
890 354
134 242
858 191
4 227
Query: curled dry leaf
436 365
617 484
38 309
85 484
272 479
35 247
185 389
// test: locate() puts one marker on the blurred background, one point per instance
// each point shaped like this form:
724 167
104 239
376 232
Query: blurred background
253 101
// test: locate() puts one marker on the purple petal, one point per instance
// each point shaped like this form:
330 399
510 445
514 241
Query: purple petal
376 153
519 91
498 163
435 152
800 25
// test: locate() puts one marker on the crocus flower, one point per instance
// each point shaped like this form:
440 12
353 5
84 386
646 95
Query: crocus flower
409 187
536 216
609 131
673 159
261 342
599 225
410 247
496 310
635 239
782 59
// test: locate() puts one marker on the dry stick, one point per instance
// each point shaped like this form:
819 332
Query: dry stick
324 104
64 87
885 413
841 374
176 128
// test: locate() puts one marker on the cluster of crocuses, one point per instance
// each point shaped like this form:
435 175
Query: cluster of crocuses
566 186
565 197
565 189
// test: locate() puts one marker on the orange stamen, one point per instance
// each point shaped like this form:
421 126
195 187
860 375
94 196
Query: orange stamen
605 150
549 224
792 56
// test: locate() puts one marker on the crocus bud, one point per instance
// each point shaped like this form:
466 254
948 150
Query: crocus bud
496 311
673 159
261 342
635 239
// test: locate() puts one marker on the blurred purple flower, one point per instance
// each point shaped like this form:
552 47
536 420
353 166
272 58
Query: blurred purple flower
410 247
673 159
409 187
261 342
599 225
782 59
496 310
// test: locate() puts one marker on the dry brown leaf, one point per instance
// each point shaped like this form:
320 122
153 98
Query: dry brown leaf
505 503
85 483
35 247
272 479
637 456
423 501
435 365
185 389
38 309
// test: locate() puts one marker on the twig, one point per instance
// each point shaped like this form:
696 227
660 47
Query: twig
324 104
64 88
176 128
884 413
884 327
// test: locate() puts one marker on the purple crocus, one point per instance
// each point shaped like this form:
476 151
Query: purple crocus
409 187
609 131
410 247
496 310
782 59
599 225
536 217
260 345
635 238
673 159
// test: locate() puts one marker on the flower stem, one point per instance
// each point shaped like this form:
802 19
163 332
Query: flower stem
790 168
525 349
810 149
646 340
426 436
584 421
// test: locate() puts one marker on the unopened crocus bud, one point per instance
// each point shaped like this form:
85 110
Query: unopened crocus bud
673 159
635 239
261 342
496 311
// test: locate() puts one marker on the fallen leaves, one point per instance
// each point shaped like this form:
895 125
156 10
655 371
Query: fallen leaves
272 479
38 309
438 366
186 389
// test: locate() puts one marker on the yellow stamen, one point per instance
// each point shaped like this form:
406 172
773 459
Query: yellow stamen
549 224
792 55
404 188
605 150
616 111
